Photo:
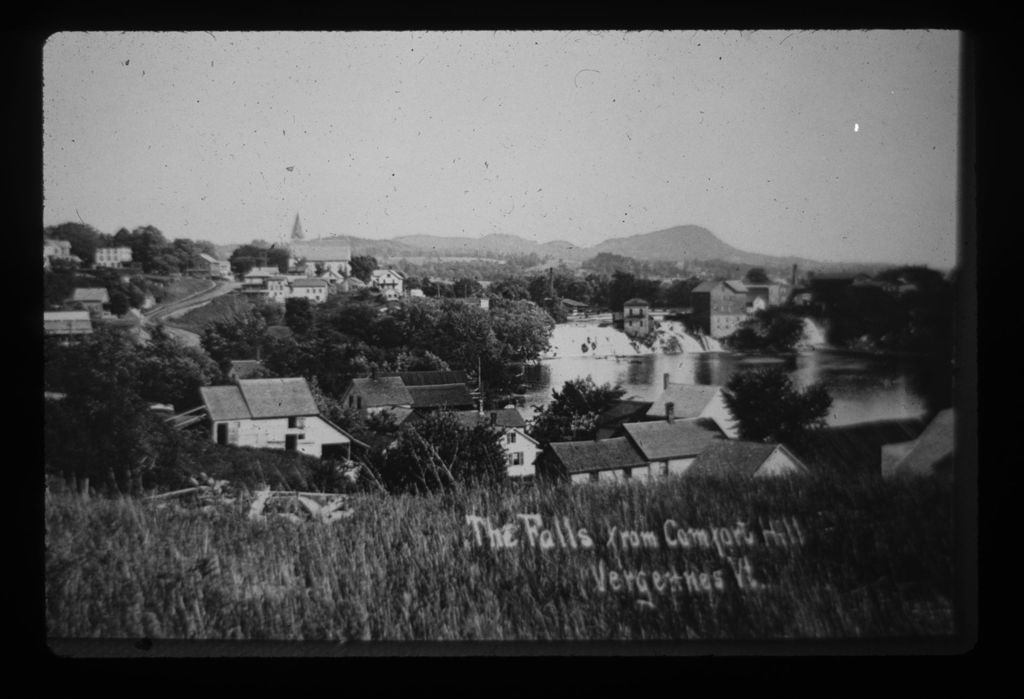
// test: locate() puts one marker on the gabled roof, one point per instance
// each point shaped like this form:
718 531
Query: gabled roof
737 458
574 304
224 403
263 272
94 294
430 378
259 399
310 282
670 440
933 448
733 285
690 400
623 410
636 302
381 391
354 283
452 395
503 417
602 455
855 449
209 258
321 252
385 272
268 398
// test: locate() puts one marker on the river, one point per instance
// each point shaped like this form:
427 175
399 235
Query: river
863 387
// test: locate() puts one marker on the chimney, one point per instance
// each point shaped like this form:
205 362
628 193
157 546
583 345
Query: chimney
664 382
494 419
480 406
670 412
373 373
793 281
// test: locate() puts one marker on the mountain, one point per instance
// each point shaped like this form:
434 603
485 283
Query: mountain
680 243
688 243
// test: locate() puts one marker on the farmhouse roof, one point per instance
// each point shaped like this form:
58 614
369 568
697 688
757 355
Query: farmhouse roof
736 285
430 378
452 395
382 391
224 403
209 258
95 294
855 449
573 303
636 302
601 455
503 417
310 282
278 397
263 272
690 400
669 440
737 458
385 272
321 252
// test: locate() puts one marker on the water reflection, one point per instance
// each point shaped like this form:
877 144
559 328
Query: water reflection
862 387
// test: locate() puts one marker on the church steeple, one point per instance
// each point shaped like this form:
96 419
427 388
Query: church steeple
297 229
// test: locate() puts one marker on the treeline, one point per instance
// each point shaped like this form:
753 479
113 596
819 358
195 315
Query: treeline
151 251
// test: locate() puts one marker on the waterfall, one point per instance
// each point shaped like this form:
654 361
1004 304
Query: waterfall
814 335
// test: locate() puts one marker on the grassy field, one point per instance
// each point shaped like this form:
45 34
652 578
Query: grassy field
220 308
796 559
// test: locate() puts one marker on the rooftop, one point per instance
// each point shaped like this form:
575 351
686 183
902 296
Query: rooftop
93 294
855 449
382 391
669 440
453 395
591 455
431 378
690 399
636 302
259 399
735 458
503 417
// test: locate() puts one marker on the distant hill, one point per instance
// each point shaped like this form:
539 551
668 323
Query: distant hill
680 243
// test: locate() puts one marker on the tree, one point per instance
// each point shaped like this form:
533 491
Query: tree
298 315
171 372
769 408
757 275
768 330
84 238
513 288
466 287
239 337
363 266
572 413
440 453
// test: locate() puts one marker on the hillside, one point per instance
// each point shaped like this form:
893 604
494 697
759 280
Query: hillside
688 243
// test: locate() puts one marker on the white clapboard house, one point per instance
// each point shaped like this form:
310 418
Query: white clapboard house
273 414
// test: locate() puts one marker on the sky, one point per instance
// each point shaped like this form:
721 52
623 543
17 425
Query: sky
833 145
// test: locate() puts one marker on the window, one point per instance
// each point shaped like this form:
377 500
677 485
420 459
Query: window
594 476
515 458
627 473
511 437
296 422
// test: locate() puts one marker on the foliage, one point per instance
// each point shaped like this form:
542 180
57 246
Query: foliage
769 408
363 266
769 330
756 275
170 372
572 413
878 563
257 254
465 287
241 336
298 315
440 452
84 238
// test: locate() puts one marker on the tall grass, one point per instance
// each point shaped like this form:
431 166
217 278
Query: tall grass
876 562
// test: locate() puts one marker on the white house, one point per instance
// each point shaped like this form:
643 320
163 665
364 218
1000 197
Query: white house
215 267
390 282
316 258
273 414
376 394
520 448
313 289
93 299
56 250
112 257
694 400
636 317
67 323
